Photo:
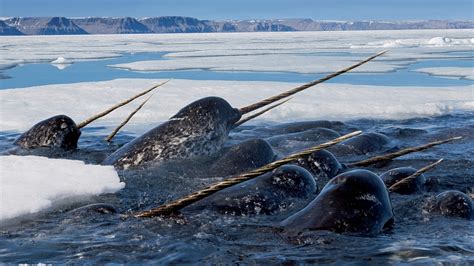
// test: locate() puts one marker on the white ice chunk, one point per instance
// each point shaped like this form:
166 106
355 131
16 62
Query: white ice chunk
61 60
440 41
61 63
30 184
456 72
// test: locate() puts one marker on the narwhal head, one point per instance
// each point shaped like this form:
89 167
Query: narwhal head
209 113
61 131
56 132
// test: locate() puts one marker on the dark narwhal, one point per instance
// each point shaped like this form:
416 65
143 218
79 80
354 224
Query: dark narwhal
353 202
286 186
99 208
322 164
414 185
362 144
198 129
452 203
302 126
61 132
245 156
56 132
301 140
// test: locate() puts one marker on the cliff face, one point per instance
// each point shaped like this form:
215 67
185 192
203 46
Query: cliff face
44 26
176 24
173 24
8 30
252 25
112 25
310 25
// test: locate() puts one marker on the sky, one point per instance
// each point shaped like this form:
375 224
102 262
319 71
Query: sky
245 9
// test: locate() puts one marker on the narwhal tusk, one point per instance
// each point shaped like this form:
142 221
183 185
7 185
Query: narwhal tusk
178 204
250 117
106 112
390 156
272 99
116 130
407 179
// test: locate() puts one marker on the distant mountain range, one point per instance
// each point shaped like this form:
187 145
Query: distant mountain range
176 24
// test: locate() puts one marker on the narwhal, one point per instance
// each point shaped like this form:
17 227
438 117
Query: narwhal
198 129
61 132
352 202
451 203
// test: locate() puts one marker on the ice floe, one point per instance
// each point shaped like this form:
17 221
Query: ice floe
452 72
61 60
265 63
31 184
21 108
61 63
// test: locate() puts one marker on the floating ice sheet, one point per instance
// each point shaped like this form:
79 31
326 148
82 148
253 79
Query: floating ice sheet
22 108
452 72
232 48
265 63
30 184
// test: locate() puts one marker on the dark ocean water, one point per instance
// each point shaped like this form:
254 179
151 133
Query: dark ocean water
63 235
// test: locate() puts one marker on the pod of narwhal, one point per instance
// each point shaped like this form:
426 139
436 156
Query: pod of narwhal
252 196
61 131
354 201
198 129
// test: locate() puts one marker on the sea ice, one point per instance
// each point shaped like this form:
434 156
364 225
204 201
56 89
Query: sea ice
22 108
61 60
268 51
265 63
453 72
61 63
30 184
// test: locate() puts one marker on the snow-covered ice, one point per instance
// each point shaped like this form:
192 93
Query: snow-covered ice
305 53
30 184
268 51
452 72
21 108
266 63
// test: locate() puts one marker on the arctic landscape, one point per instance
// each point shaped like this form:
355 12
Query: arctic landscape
421 90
